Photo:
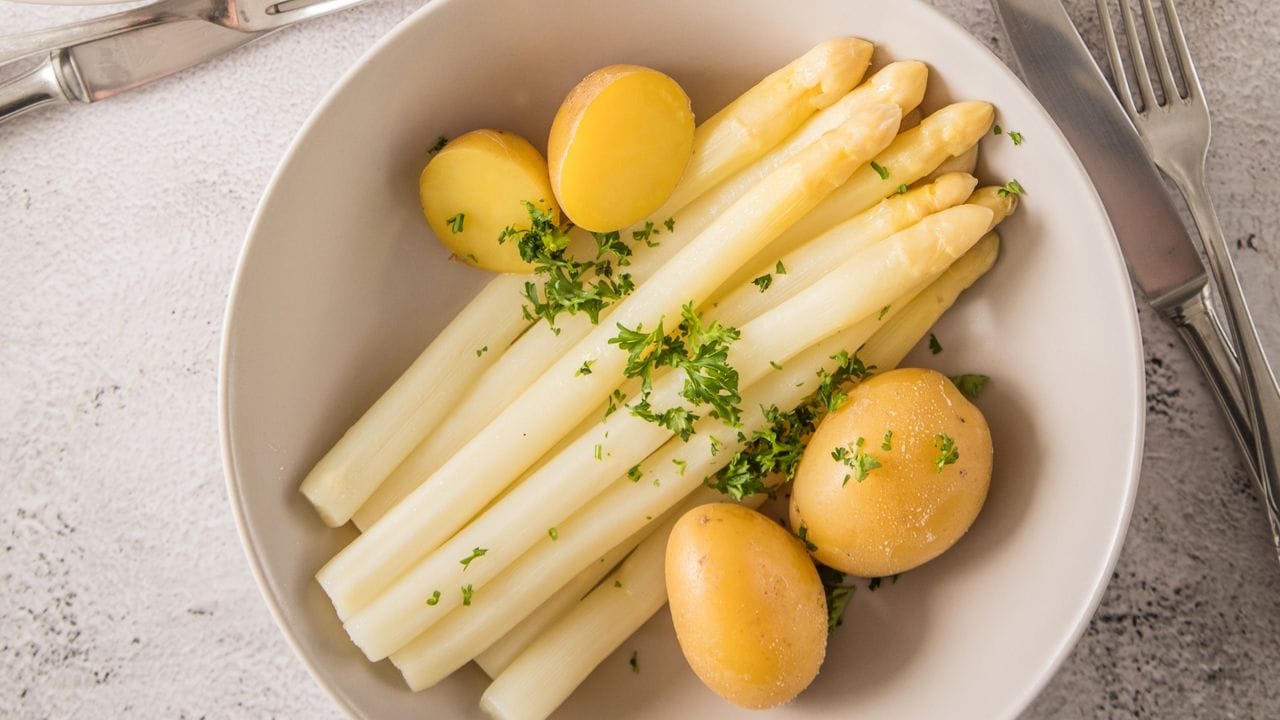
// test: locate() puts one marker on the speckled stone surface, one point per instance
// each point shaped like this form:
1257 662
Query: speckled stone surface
123 588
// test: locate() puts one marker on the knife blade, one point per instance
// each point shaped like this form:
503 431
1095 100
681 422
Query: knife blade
96 70
1162 258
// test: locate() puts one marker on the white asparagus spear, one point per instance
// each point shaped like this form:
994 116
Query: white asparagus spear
557 662
547 409
881 274
913 154
363 458
900 83
499 610
780 279
965 162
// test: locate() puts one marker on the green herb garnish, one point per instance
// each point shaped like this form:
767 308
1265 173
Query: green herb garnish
902 189
670 224
455 222
440 143
435 598
948 453
482 351
780 269
1016 137
585 369
553 533
635 666
803 534
1013 187
467 593
680 464
763 282
887 444
881 170
646 234
855 458
476 553
935 347
634 473
883 311
970 385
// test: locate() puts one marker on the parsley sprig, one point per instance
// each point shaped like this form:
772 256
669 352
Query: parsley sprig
568 285
838 595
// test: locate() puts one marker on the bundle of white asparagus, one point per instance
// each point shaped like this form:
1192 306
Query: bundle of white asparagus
499 494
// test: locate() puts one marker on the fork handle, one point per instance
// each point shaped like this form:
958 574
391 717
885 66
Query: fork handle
26 92
36 42
1258 385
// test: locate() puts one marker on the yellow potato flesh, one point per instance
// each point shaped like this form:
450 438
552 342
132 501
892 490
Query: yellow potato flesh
905 512
748 606
487 176
618 146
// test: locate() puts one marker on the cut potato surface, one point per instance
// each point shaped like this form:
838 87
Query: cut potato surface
747 603
895 476
619 144
476 187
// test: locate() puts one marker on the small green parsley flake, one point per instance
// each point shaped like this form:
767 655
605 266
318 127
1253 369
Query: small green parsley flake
635 666
970 385
763 282
715 445
553 533
680 464
435 598
440 143
780 268
775 365
476 553
670 224
997 130
1013 187
634 473
467 593
1016 137
857 459
948 453
455 223
874 584
902 189
887 444
645 234
935 347
884 311
803 534
482 351
617 583
599 451
881 170
585 369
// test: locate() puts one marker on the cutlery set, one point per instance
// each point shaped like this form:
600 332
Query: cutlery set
1120 138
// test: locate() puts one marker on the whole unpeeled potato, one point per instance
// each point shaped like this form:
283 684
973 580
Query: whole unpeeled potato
749 609
895 476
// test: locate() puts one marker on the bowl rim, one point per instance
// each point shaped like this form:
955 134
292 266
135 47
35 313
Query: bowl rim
1130 322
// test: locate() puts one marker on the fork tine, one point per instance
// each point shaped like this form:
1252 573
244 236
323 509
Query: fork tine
1140 73
1189 74
1157 51
1118 77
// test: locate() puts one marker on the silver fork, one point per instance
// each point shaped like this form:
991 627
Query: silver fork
1176 134
249 16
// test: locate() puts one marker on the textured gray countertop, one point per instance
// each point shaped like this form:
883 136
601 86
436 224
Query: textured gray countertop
124 590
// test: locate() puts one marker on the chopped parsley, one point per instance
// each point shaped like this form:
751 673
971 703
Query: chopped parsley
856 459
585 369
476 553
645 234
1016 137
680 464
715 445
996 130
970 385
874 584
1013 187
887 444
599 451
635 666
439 145
435 598
774 364
455 222
902 189
617 583
780 269
669 224
553 533
634 474
838 595
763 282
803 534
881 170
778 447
482 351
467 593
948 453
884 311
935 347
568 285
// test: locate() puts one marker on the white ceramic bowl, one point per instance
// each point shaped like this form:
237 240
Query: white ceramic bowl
341 285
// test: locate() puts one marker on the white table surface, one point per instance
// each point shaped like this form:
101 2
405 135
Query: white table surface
123 587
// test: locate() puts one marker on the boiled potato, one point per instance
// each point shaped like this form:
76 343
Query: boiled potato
749 610
477 186
872 511
618 146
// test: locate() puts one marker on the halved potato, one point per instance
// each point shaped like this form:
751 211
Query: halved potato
477 186
618 145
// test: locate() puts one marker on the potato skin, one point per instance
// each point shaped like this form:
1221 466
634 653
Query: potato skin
749 609
618 146
905 512
487 175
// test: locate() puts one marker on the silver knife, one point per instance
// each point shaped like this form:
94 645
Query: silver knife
96 70
1161 255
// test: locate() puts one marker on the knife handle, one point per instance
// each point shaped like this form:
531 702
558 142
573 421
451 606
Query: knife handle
16 47
26 92
1198 324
